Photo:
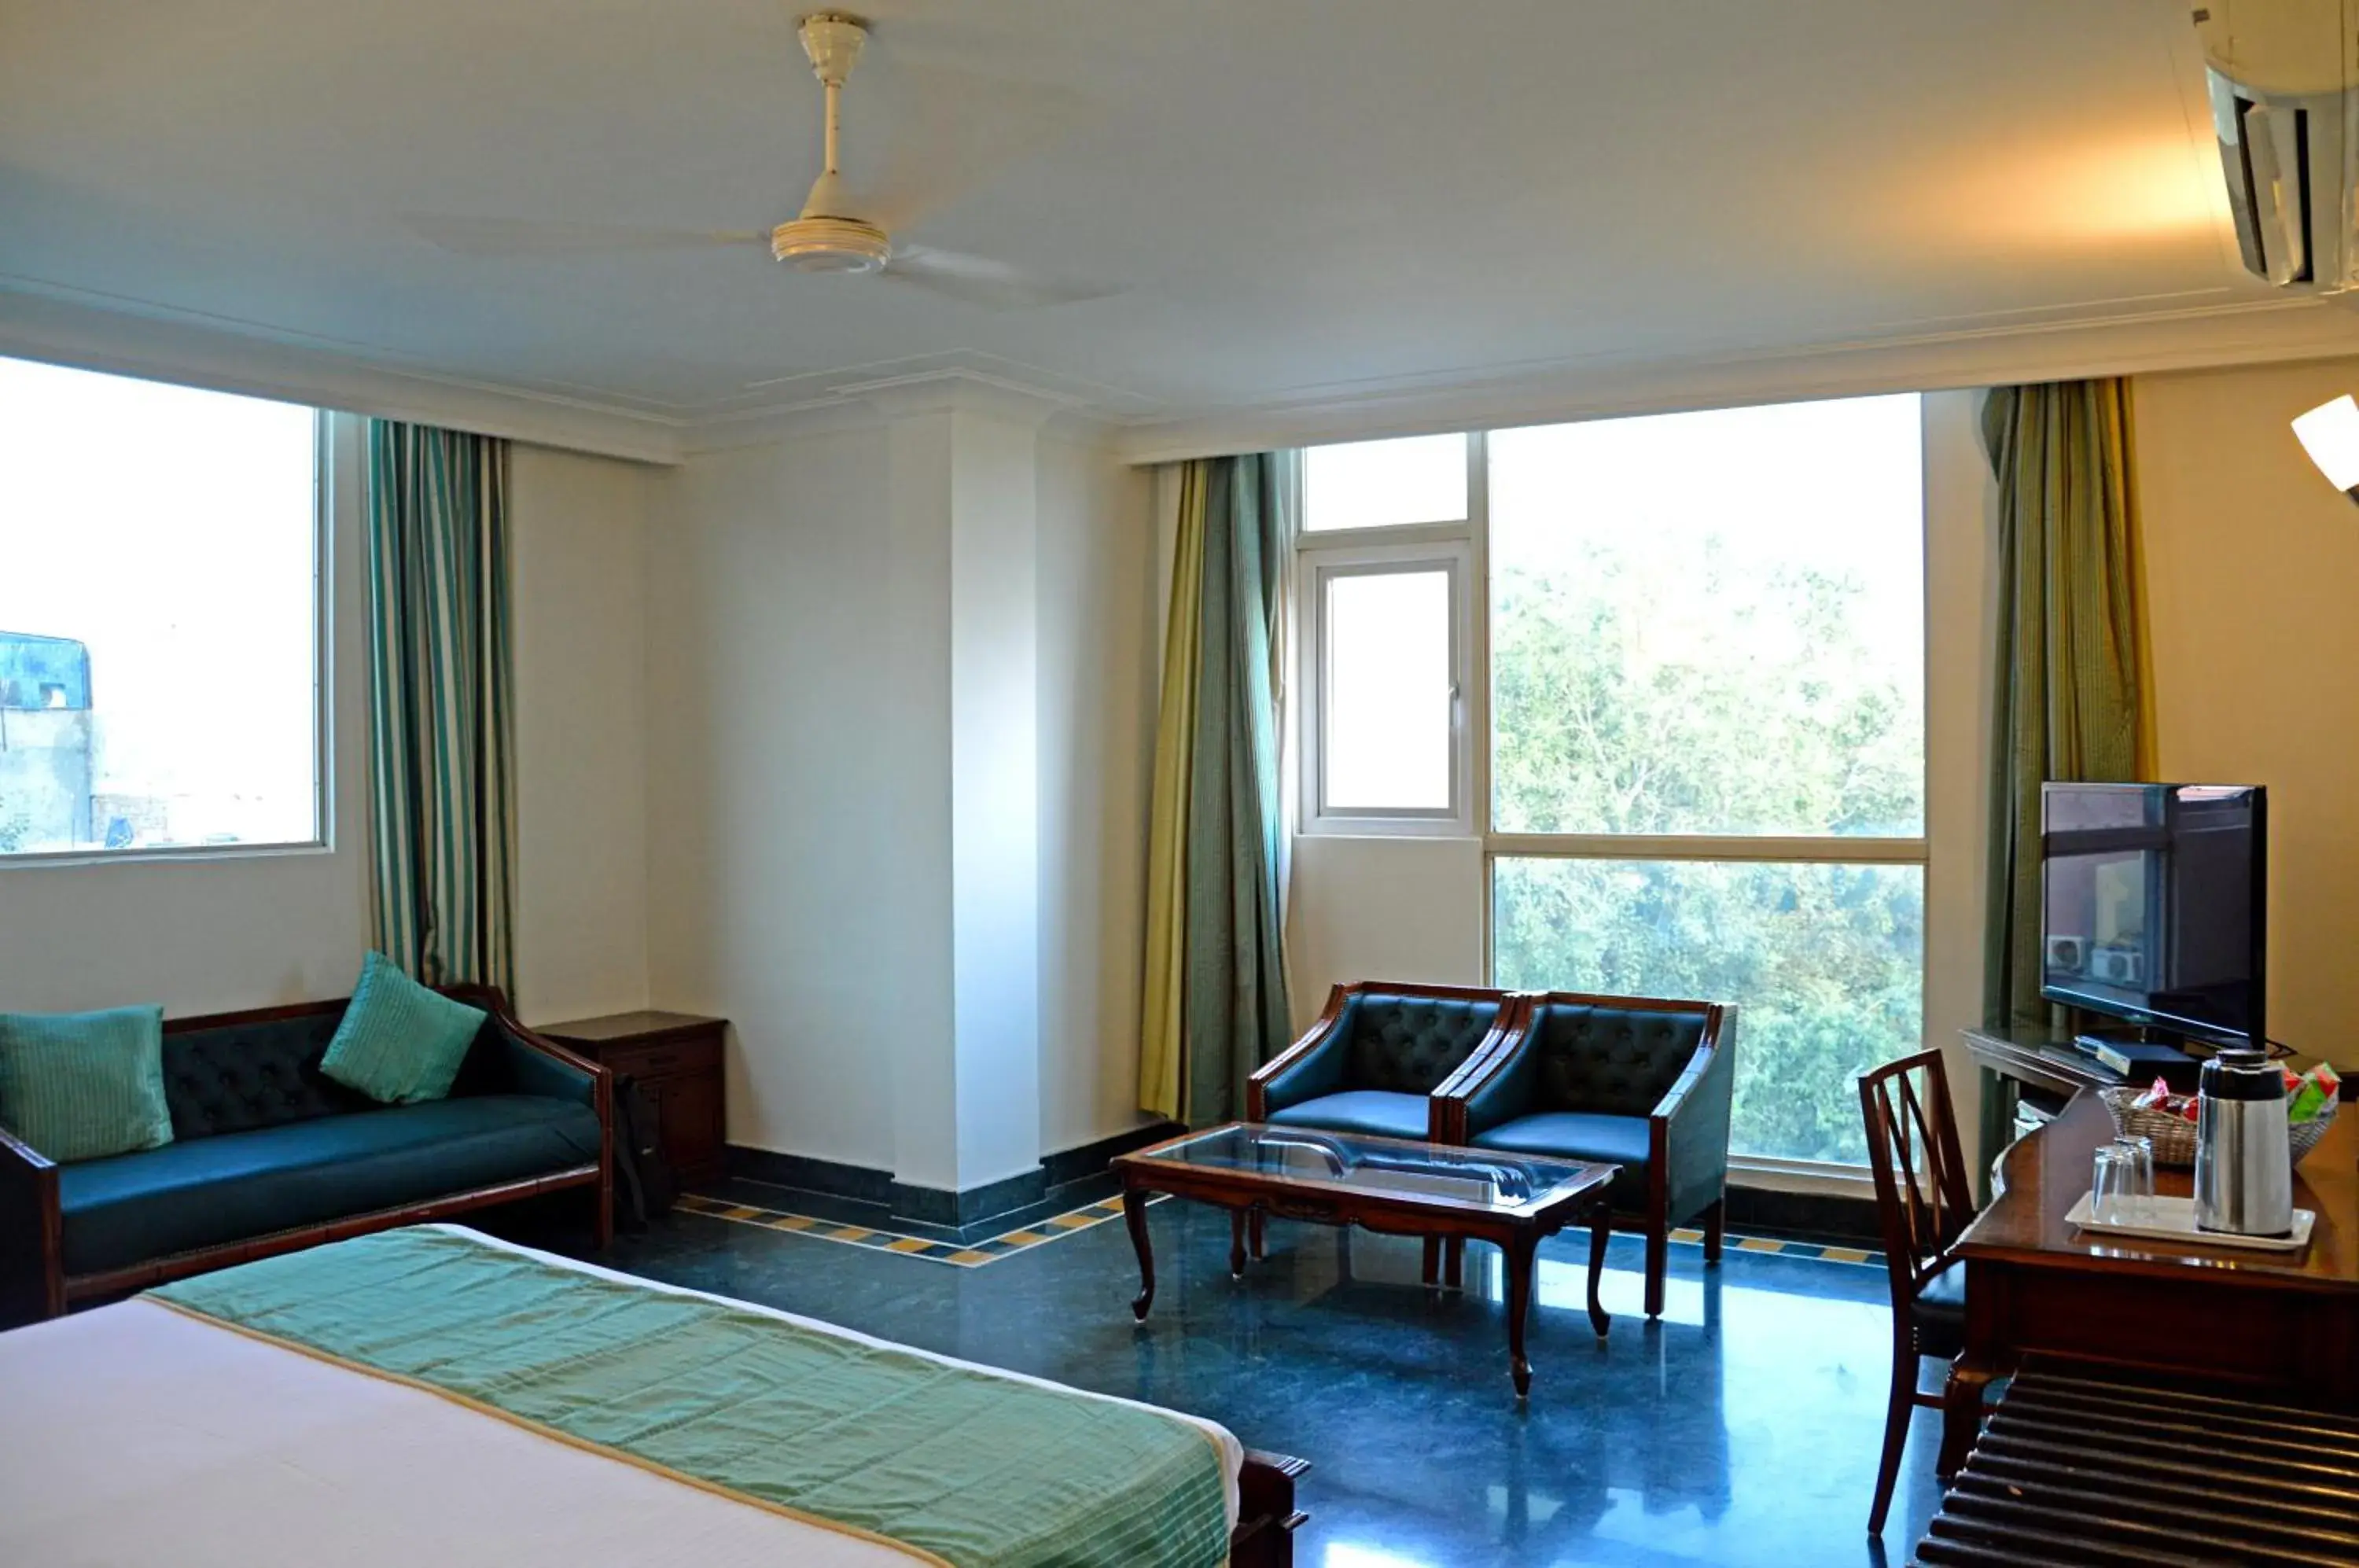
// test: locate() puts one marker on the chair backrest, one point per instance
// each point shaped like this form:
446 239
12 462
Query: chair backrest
1922 1195
1408 1041
1614 1055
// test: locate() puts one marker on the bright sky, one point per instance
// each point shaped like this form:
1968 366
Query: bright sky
1837 485
173 531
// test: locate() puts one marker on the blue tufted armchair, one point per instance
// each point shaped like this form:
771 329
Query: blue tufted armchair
1374 1055
1641 1083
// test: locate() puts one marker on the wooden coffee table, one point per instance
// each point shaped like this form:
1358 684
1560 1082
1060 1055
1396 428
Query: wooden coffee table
1393 1185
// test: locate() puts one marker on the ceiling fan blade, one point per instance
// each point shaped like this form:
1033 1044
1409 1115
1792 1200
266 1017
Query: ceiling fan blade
978 280
482 237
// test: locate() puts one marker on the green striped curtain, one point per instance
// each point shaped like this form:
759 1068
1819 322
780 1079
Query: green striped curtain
441 773
2071 681
1216 1003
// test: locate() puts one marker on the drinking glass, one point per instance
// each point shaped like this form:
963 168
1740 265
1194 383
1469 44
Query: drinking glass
2137 1154
2110 1184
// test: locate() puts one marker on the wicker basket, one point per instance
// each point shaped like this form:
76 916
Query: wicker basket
2173 1136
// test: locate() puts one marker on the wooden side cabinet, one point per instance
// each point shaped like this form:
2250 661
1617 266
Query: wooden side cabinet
676 1060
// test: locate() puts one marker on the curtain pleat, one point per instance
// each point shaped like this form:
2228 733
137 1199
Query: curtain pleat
1216 1003
440 759
2071 698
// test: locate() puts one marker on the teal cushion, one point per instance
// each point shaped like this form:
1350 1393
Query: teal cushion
1582 1135
207 1191
84 1085
1378 1113
399 1043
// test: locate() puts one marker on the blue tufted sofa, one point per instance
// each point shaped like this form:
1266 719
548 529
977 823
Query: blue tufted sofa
1633 1081
268 1156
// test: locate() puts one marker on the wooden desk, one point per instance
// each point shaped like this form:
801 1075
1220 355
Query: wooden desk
2033 1283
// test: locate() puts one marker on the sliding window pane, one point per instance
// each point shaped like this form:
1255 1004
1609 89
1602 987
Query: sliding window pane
1710 623
1384 483
1826 963
158 658
1388 695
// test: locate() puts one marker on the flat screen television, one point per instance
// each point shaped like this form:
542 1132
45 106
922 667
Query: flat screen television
2152 904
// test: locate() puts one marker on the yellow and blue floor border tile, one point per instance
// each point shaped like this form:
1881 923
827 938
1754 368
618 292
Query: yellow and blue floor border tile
963 1255
1039 1233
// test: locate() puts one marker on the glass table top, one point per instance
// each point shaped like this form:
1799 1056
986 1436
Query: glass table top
1474 1178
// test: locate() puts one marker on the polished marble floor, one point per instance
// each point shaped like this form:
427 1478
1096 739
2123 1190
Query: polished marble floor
1741 1430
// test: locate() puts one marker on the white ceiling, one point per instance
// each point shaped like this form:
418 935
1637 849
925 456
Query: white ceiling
1302 203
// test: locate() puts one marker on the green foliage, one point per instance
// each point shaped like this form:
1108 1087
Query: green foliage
1640 697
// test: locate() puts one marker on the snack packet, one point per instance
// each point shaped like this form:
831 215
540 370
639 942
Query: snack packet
2156 1098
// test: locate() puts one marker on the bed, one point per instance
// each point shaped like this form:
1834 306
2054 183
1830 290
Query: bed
434 1395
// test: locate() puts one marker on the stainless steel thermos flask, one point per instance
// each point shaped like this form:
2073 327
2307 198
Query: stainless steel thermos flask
2244 1163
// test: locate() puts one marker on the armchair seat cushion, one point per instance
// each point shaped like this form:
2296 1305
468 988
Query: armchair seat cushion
1580 1134
1378 1113
207 1191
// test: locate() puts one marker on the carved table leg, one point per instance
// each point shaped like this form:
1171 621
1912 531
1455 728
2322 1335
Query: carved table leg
1237 1243
1519 1301
1133 1215
1601 1232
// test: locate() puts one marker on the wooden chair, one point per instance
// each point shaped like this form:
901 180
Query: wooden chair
1925 1203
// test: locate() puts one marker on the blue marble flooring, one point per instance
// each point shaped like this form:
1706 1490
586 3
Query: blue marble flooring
1740 1429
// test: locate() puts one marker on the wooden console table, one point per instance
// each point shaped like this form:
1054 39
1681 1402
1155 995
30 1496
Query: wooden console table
2035 1284
675 1058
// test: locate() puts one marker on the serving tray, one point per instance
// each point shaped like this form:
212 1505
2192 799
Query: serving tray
2173 1219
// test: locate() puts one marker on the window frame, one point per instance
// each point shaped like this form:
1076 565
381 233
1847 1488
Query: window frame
1451 546
325 502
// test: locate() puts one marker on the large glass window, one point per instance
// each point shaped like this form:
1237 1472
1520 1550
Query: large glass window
1708 734
159 616
1384 483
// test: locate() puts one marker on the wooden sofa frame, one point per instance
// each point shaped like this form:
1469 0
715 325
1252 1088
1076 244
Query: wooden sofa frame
25 1174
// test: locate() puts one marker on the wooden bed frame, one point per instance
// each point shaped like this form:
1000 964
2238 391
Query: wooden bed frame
1267 1517
29 1181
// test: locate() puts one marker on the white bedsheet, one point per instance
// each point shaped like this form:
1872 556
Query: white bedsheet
136 1436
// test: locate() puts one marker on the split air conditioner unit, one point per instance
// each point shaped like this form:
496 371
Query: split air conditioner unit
2284 77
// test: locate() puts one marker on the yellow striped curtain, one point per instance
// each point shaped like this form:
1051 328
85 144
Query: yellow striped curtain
1215 993
441 776
2073 691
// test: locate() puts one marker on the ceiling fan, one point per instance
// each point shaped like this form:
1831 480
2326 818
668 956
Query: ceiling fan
830 234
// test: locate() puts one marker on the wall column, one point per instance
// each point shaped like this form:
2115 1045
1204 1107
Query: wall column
963 511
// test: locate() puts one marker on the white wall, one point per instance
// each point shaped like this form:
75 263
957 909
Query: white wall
1098 656
782 876
2250 560
1391 908
215 934
579 593
800 843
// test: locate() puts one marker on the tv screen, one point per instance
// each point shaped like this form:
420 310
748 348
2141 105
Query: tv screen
2152 899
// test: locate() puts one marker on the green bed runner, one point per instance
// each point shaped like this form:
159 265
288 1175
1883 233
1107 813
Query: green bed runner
981 1471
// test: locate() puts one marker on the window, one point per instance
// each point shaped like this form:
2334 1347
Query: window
1385 601
1384 483
159 616
1694 649
1708 736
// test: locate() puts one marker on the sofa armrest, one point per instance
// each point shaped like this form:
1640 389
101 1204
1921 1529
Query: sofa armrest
1494 1084
1309 1068
32 1241
527 1063
1693 1116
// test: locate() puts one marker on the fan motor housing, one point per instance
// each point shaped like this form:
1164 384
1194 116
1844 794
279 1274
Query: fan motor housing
832 244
